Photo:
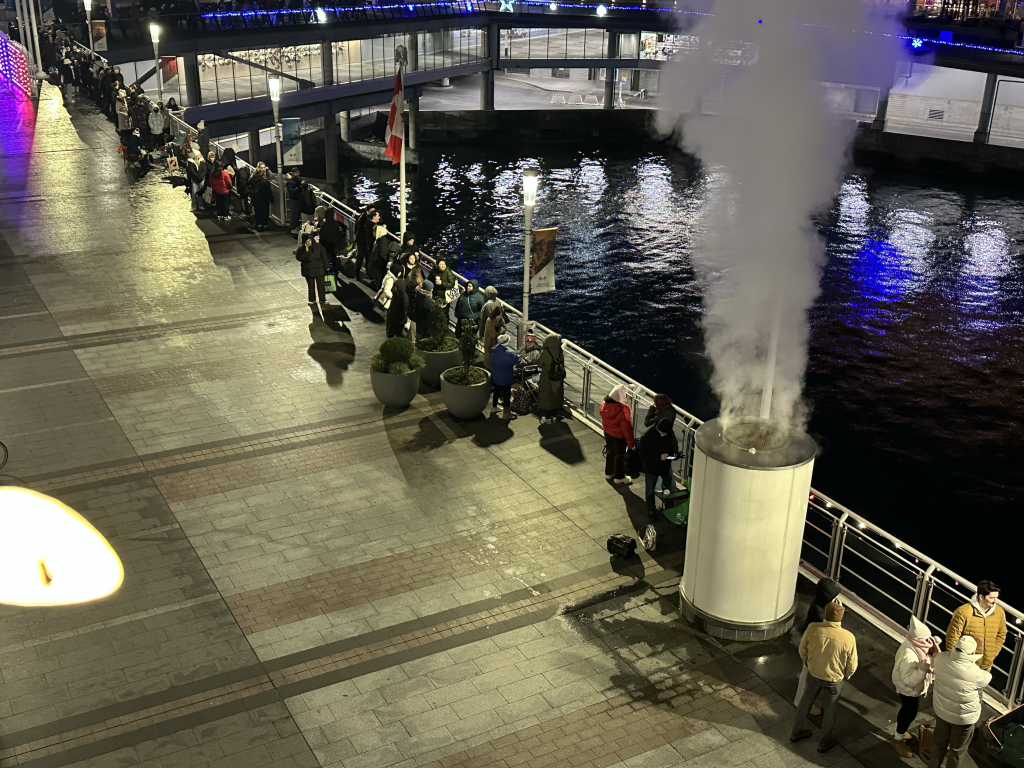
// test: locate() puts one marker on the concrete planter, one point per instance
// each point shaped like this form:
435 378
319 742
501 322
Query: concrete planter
466 401
395 390
437 363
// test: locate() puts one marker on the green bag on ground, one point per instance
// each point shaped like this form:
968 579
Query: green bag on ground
1012 752
676 506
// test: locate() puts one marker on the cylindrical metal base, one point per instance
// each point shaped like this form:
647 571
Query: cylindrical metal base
715 627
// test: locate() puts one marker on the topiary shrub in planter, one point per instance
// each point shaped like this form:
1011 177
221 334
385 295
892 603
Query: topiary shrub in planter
439 348
395 373
466 388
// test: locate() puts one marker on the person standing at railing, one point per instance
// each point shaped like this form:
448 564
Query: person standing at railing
825 591
495 327
490 302
197 170
617 423
123 120
551 384
366 224
830 654
467 310
912 675
956 701
220 180
661 408
657 445
983 619
293 190
203 138
385 250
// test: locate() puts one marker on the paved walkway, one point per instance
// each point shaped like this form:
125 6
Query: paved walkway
310 581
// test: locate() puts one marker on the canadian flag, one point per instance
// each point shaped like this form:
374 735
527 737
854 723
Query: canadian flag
396 123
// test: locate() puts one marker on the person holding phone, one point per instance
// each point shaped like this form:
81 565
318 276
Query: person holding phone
658 449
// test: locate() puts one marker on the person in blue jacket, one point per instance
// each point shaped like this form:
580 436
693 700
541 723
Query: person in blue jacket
503 361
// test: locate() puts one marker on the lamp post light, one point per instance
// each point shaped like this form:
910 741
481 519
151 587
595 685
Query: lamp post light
530 180
88 20
274 83
154 33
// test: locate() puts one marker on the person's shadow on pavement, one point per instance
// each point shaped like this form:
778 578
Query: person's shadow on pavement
332 347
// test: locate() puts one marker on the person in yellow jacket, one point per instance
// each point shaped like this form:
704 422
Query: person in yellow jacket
983 620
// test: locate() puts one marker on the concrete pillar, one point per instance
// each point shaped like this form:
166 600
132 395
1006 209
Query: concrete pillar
254 146
987 103
192 90
414 122
412 47
487 90
878 124
331 145
610 72
327 62
345 130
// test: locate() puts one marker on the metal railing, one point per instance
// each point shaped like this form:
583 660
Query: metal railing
883 578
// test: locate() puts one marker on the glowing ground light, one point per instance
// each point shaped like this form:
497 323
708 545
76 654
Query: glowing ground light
916 42
50 554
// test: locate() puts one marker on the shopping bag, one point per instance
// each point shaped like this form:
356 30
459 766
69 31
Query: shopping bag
925 739
329 284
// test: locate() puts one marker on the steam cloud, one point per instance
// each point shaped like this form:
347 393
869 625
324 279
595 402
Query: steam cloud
773 154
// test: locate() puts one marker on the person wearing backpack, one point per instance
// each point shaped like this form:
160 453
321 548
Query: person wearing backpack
551 385
617 423
656 446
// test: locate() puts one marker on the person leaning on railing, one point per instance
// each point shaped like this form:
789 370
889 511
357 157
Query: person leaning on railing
983 619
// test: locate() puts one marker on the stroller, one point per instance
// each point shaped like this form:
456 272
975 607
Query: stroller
527 375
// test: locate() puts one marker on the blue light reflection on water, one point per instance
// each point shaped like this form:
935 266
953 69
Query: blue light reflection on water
915 370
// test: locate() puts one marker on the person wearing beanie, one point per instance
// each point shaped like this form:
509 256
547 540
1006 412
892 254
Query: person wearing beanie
912 674
956 701
617 423
657 445
503 363
830 655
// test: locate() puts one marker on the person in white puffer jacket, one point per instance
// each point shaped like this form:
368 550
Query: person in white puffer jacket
912 674
957 701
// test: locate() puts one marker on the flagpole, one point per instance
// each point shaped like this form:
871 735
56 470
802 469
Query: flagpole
401 170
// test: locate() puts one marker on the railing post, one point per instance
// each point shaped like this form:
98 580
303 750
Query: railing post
835 550
1012 691
585 395
923 593
632 406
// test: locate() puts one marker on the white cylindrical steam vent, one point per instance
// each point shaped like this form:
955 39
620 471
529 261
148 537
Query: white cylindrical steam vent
748 504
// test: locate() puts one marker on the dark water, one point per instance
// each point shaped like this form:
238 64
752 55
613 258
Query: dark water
916 363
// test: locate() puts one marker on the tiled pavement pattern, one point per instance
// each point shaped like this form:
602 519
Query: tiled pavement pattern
310 581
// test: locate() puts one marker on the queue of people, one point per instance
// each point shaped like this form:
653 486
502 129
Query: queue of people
954 669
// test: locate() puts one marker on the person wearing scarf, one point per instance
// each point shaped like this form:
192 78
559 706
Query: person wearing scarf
912 674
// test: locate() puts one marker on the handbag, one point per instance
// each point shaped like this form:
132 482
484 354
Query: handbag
621 545
329 284
925 741
208 195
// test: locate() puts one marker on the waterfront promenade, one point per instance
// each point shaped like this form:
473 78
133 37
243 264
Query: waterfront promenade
308 580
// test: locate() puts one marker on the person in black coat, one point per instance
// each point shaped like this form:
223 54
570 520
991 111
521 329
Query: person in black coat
293 187
314 268
261 194
398 310
332 233
385 251
203 139
657 444
365 226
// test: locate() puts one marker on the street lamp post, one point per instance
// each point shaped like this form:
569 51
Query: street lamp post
529 200
88 21
275 98
154 33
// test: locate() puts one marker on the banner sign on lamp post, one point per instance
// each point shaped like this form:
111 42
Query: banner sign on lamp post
542 266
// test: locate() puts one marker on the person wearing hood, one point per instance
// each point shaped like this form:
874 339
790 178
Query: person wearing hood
551 384
956 701
912 675
313 258
829 653
332 234
825 591
197 171
661 408
503 364
494 328
490 301
468 307
984 620
657 445
156 126
398 309
444 280
203 138
617 423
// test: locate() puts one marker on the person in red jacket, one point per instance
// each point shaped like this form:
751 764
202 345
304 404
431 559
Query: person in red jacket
617 423
220 180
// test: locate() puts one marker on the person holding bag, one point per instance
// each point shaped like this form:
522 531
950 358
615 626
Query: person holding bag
912 675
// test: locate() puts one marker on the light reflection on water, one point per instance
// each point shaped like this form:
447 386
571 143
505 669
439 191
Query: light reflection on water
915 371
